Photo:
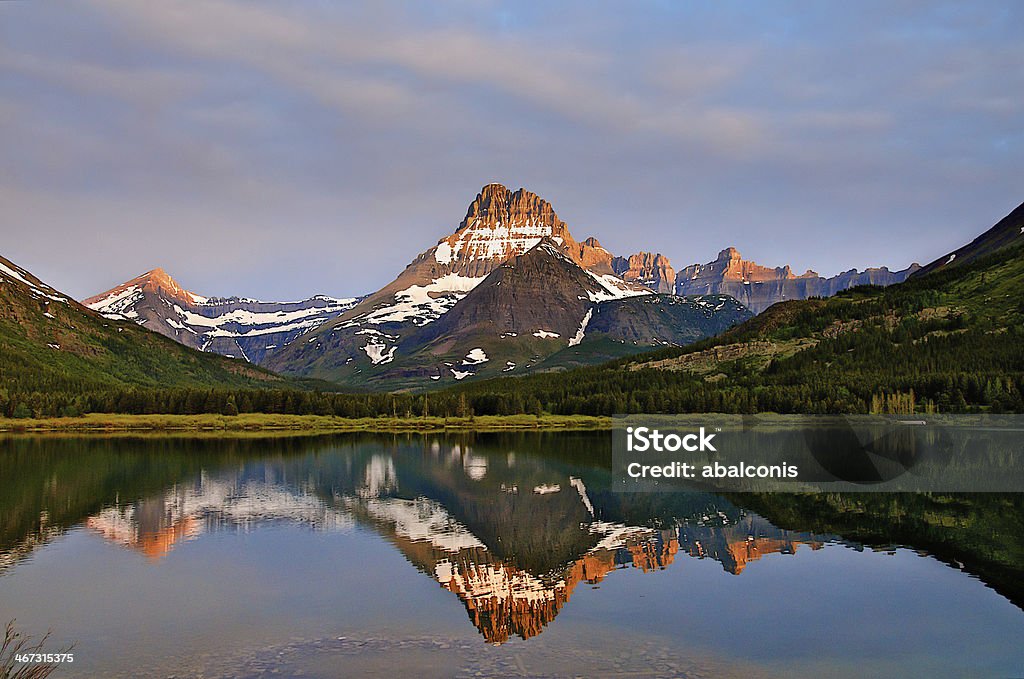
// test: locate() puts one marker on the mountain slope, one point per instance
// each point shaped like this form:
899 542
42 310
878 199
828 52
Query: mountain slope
635 325
49 342
1008 232
234 327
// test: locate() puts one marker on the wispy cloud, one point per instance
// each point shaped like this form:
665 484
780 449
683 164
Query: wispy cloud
333 141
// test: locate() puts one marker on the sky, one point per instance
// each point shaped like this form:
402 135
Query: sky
283 149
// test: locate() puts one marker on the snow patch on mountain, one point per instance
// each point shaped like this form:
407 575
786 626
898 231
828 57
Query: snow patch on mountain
20 275
119 304
475 356
498 241
235 325
613 287
578 337
379 353
423 304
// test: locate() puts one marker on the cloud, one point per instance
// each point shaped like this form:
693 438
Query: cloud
331 142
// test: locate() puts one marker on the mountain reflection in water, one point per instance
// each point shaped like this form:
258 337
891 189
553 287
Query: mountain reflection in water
510 524
516 504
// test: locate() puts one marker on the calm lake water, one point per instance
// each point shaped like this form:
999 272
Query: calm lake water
493 555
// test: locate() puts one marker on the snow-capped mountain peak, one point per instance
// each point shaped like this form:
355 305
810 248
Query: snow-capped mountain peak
499 225
237 327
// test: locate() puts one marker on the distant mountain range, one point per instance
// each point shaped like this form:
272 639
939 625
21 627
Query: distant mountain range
235 327
945 340
509 291
758 287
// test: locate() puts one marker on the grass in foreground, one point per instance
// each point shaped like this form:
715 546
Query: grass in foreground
248 423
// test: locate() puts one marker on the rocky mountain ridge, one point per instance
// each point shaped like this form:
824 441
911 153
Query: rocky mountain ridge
372 336
647 268
235 327
756 286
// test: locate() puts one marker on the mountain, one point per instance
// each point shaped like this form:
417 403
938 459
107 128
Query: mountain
542 303
647 268
1008 232
542 293
235 327
758 287
507 289
50 343
945 341
526 309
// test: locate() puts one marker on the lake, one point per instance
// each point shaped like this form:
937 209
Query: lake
485 555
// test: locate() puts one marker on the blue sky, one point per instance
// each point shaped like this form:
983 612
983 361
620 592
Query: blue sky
280 150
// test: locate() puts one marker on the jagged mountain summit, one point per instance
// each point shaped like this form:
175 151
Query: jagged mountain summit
498 225
235 327
758 287
647 268
507 289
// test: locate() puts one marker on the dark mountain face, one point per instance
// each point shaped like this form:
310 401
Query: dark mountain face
654 320
541 291
234 327
1009 231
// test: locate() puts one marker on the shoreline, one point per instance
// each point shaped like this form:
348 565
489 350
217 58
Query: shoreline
266 423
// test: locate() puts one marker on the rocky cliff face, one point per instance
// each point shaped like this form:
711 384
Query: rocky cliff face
235 327
647 268
499 224
758 287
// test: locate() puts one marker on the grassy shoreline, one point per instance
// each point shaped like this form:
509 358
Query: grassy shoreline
254 423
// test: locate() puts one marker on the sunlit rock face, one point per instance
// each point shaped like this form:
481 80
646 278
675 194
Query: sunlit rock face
499 224
758 287
647 268
504 601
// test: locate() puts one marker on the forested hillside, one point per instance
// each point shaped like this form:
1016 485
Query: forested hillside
948 342
55 353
